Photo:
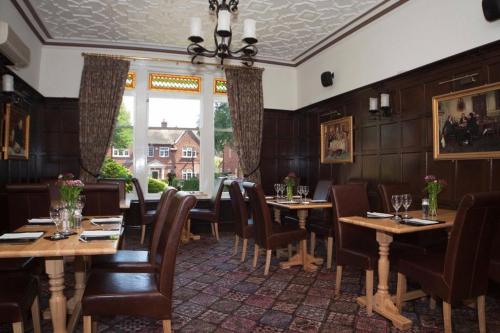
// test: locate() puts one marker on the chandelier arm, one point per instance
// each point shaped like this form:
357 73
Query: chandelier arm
252 48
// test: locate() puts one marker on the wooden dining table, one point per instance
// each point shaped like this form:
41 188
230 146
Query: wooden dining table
302 208
386 228
55 253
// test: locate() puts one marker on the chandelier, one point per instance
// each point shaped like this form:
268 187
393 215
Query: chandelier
223 35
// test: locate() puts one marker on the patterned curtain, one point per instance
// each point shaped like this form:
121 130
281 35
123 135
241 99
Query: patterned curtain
246 104
101 92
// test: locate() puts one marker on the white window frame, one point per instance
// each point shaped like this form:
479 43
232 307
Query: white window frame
151 151
164 151
188 152
118 152
187 174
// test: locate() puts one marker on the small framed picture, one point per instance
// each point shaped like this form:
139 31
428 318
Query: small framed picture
336 141
466 124
16 133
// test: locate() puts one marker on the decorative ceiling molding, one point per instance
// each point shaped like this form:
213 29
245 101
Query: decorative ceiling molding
297 29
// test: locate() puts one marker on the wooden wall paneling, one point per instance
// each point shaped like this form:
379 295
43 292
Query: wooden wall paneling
412 100
494 71
444 169
390 168
471 176
390 136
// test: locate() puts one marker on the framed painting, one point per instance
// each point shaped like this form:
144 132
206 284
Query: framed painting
466 124
336 141
16 133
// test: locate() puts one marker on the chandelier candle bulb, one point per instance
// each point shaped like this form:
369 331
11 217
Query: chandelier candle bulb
196 27
384 100
249 29
224 23
373 104
7 83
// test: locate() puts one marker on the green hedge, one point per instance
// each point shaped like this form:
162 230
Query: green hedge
155 185
112 169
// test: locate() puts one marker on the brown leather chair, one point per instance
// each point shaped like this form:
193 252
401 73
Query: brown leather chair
243 225
121 182
424 242
146 216
461 273
211 214
139 261
140 294
354 245
101 199
494 270
27 201
18 294
269 235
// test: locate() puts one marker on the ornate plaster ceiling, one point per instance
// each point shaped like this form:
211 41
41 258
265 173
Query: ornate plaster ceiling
287 29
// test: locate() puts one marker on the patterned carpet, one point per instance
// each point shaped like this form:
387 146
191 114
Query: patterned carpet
215 292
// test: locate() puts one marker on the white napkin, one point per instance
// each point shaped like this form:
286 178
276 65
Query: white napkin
375 214
22 235
318 200
422 221
100 233
41 220
289 202
117 219
268 197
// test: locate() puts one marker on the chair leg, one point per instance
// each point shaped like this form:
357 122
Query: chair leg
268 261
329 252
432 303
18 327
236 240
143 233
244 249
289 251
400 291
369 292
167 326
481 313
216 229
35 315
447 317
255 255
338 280
212 229
313 243
87 324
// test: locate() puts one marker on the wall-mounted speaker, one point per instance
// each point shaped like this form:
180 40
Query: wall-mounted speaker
491 9
327 79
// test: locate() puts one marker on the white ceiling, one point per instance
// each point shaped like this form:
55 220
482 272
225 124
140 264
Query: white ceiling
287 30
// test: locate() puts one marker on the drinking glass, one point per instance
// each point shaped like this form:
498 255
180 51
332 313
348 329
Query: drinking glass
406 204
277 189
300 191
282 189
305 190
56 218
396 203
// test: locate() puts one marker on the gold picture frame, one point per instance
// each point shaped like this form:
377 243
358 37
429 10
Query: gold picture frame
16 133
466 124
336 141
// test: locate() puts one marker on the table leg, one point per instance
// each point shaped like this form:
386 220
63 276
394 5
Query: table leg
277 215
74 305
54 266
186 234
382 301
307 261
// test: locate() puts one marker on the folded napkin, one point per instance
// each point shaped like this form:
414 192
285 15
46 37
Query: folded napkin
44 220
100 233
318 200
110 220
421 221
375 214
22 235
288 202
268 197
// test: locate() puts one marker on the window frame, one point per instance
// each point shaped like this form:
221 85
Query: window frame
161 151
119 152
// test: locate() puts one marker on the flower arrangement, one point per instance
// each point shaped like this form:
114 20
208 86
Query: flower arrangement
290 181
433 187
69 188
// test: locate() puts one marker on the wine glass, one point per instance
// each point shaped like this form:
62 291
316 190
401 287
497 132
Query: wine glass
277 189
396 203
282 189
305 190
300 191
56 218
406 204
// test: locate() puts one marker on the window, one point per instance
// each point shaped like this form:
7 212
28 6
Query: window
120 152
151 151
188 152
164 151
155 173
226 161
187 174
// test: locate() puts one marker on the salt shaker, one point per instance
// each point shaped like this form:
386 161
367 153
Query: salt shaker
425 207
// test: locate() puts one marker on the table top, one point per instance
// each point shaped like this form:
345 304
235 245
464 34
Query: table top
65 247
298 205
391 226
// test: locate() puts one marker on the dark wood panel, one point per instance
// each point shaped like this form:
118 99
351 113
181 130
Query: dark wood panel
390 136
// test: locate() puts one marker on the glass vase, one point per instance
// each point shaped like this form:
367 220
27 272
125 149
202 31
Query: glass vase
433 204
289 192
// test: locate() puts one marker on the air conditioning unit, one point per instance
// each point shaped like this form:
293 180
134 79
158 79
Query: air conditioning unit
12 47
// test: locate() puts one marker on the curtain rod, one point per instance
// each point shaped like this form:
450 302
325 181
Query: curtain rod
134 58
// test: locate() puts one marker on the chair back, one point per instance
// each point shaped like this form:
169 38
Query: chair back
101 199
176 216
469 247
159 221
322 190
122 182
26 201
386 191
215 199
263 223
350 200
140 196
240 212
